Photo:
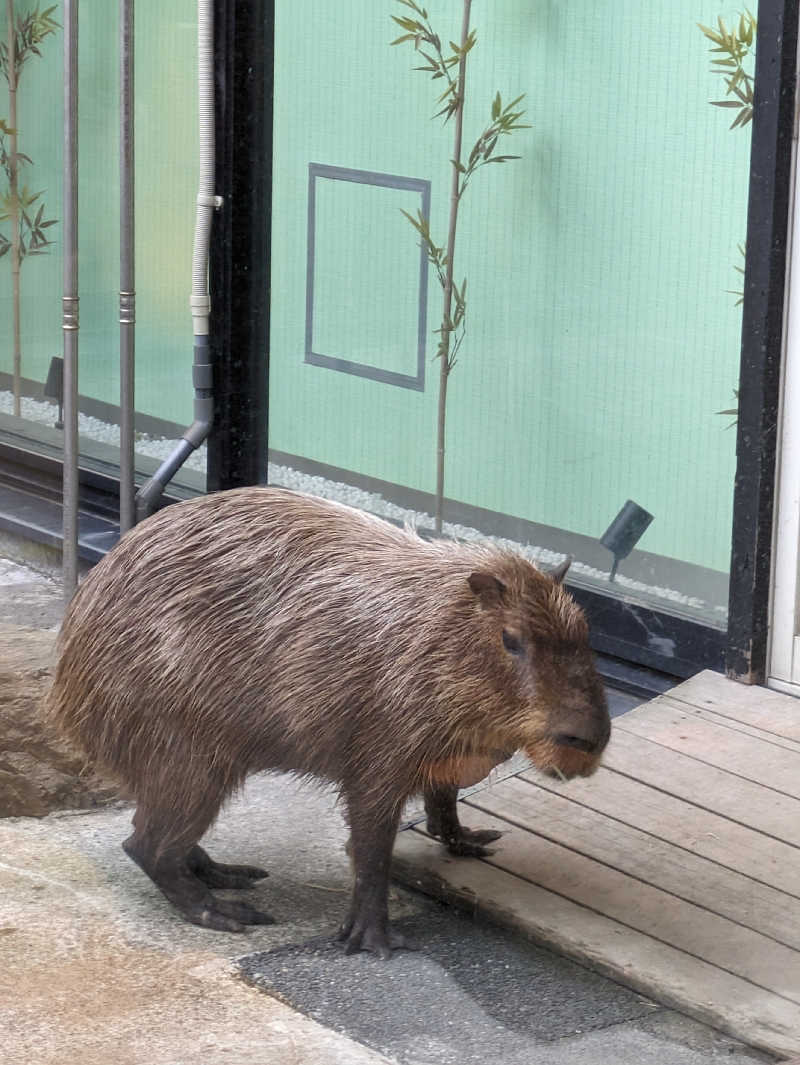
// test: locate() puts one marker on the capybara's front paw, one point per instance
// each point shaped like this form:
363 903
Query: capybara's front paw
466 842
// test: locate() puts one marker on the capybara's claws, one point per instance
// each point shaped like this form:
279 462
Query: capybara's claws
480 835
374 939
463 848
218 875
468 842
242 912
211 917
224 915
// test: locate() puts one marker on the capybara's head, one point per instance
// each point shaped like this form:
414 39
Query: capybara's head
540 642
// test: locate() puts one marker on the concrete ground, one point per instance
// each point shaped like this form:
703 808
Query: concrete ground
96 967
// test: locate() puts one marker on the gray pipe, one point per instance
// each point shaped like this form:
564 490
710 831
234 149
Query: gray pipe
127 268
70 320
150 493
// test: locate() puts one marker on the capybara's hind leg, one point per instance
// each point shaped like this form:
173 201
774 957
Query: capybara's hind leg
442 821
168 867
217 875
367 924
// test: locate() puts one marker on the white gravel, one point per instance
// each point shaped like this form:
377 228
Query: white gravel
161 447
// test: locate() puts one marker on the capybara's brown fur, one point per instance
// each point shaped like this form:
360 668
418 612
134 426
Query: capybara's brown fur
259 629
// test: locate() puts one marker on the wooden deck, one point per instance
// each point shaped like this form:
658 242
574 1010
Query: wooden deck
675 869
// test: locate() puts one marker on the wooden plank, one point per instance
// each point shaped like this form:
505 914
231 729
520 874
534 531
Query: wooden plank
738 726
721 890
703 785
674 978
677 729
641 906
765 709
755 855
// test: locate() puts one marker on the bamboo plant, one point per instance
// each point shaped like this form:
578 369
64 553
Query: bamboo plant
450 66
734 49
18 206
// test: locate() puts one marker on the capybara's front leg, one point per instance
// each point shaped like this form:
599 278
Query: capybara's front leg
443 823
372 835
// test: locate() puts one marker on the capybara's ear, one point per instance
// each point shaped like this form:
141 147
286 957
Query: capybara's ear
489 589
559 573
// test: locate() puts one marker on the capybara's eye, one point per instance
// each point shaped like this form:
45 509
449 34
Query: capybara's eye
512 643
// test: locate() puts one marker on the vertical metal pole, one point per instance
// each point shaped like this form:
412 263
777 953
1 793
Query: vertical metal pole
127 268
70 297
774 116
239 272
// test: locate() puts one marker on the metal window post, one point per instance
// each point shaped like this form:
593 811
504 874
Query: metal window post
240 245
70 322
762 334
127 266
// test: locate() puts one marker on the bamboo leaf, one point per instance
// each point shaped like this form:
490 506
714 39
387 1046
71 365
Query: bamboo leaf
496 104
412 220
514 103
411 25
711 34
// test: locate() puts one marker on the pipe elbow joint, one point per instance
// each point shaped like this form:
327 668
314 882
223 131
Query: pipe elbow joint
148 497
201 426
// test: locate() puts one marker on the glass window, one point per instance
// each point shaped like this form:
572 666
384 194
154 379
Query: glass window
166 187
602 334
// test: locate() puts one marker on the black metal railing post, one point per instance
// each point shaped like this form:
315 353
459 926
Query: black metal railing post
239 271
762 337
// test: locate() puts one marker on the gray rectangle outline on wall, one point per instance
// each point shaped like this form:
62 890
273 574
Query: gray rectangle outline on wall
390 181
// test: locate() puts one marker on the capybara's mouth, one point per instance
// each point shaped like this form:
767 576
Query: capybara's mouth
560 762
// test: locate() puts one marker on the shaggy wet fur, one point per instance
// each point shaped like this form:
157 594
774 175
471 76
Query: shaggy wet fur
258 629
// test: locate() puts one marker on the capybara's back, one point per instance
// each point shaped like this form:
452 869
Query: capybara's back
259 629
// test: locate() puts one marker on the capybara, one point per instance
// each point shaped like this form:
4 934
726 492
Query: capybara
258 629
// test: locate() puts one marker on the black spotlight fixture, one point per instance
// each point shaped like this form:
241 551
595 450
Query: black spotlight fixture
54 386
624 531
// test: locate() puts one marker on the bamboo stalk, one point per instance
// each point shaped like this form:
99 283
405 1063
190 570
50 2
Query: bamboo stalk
444 369
13 184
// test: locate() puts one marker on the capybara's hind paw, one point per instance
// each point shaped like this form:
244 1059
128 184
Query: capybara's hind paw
243 912
217 875
373 938
225 915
